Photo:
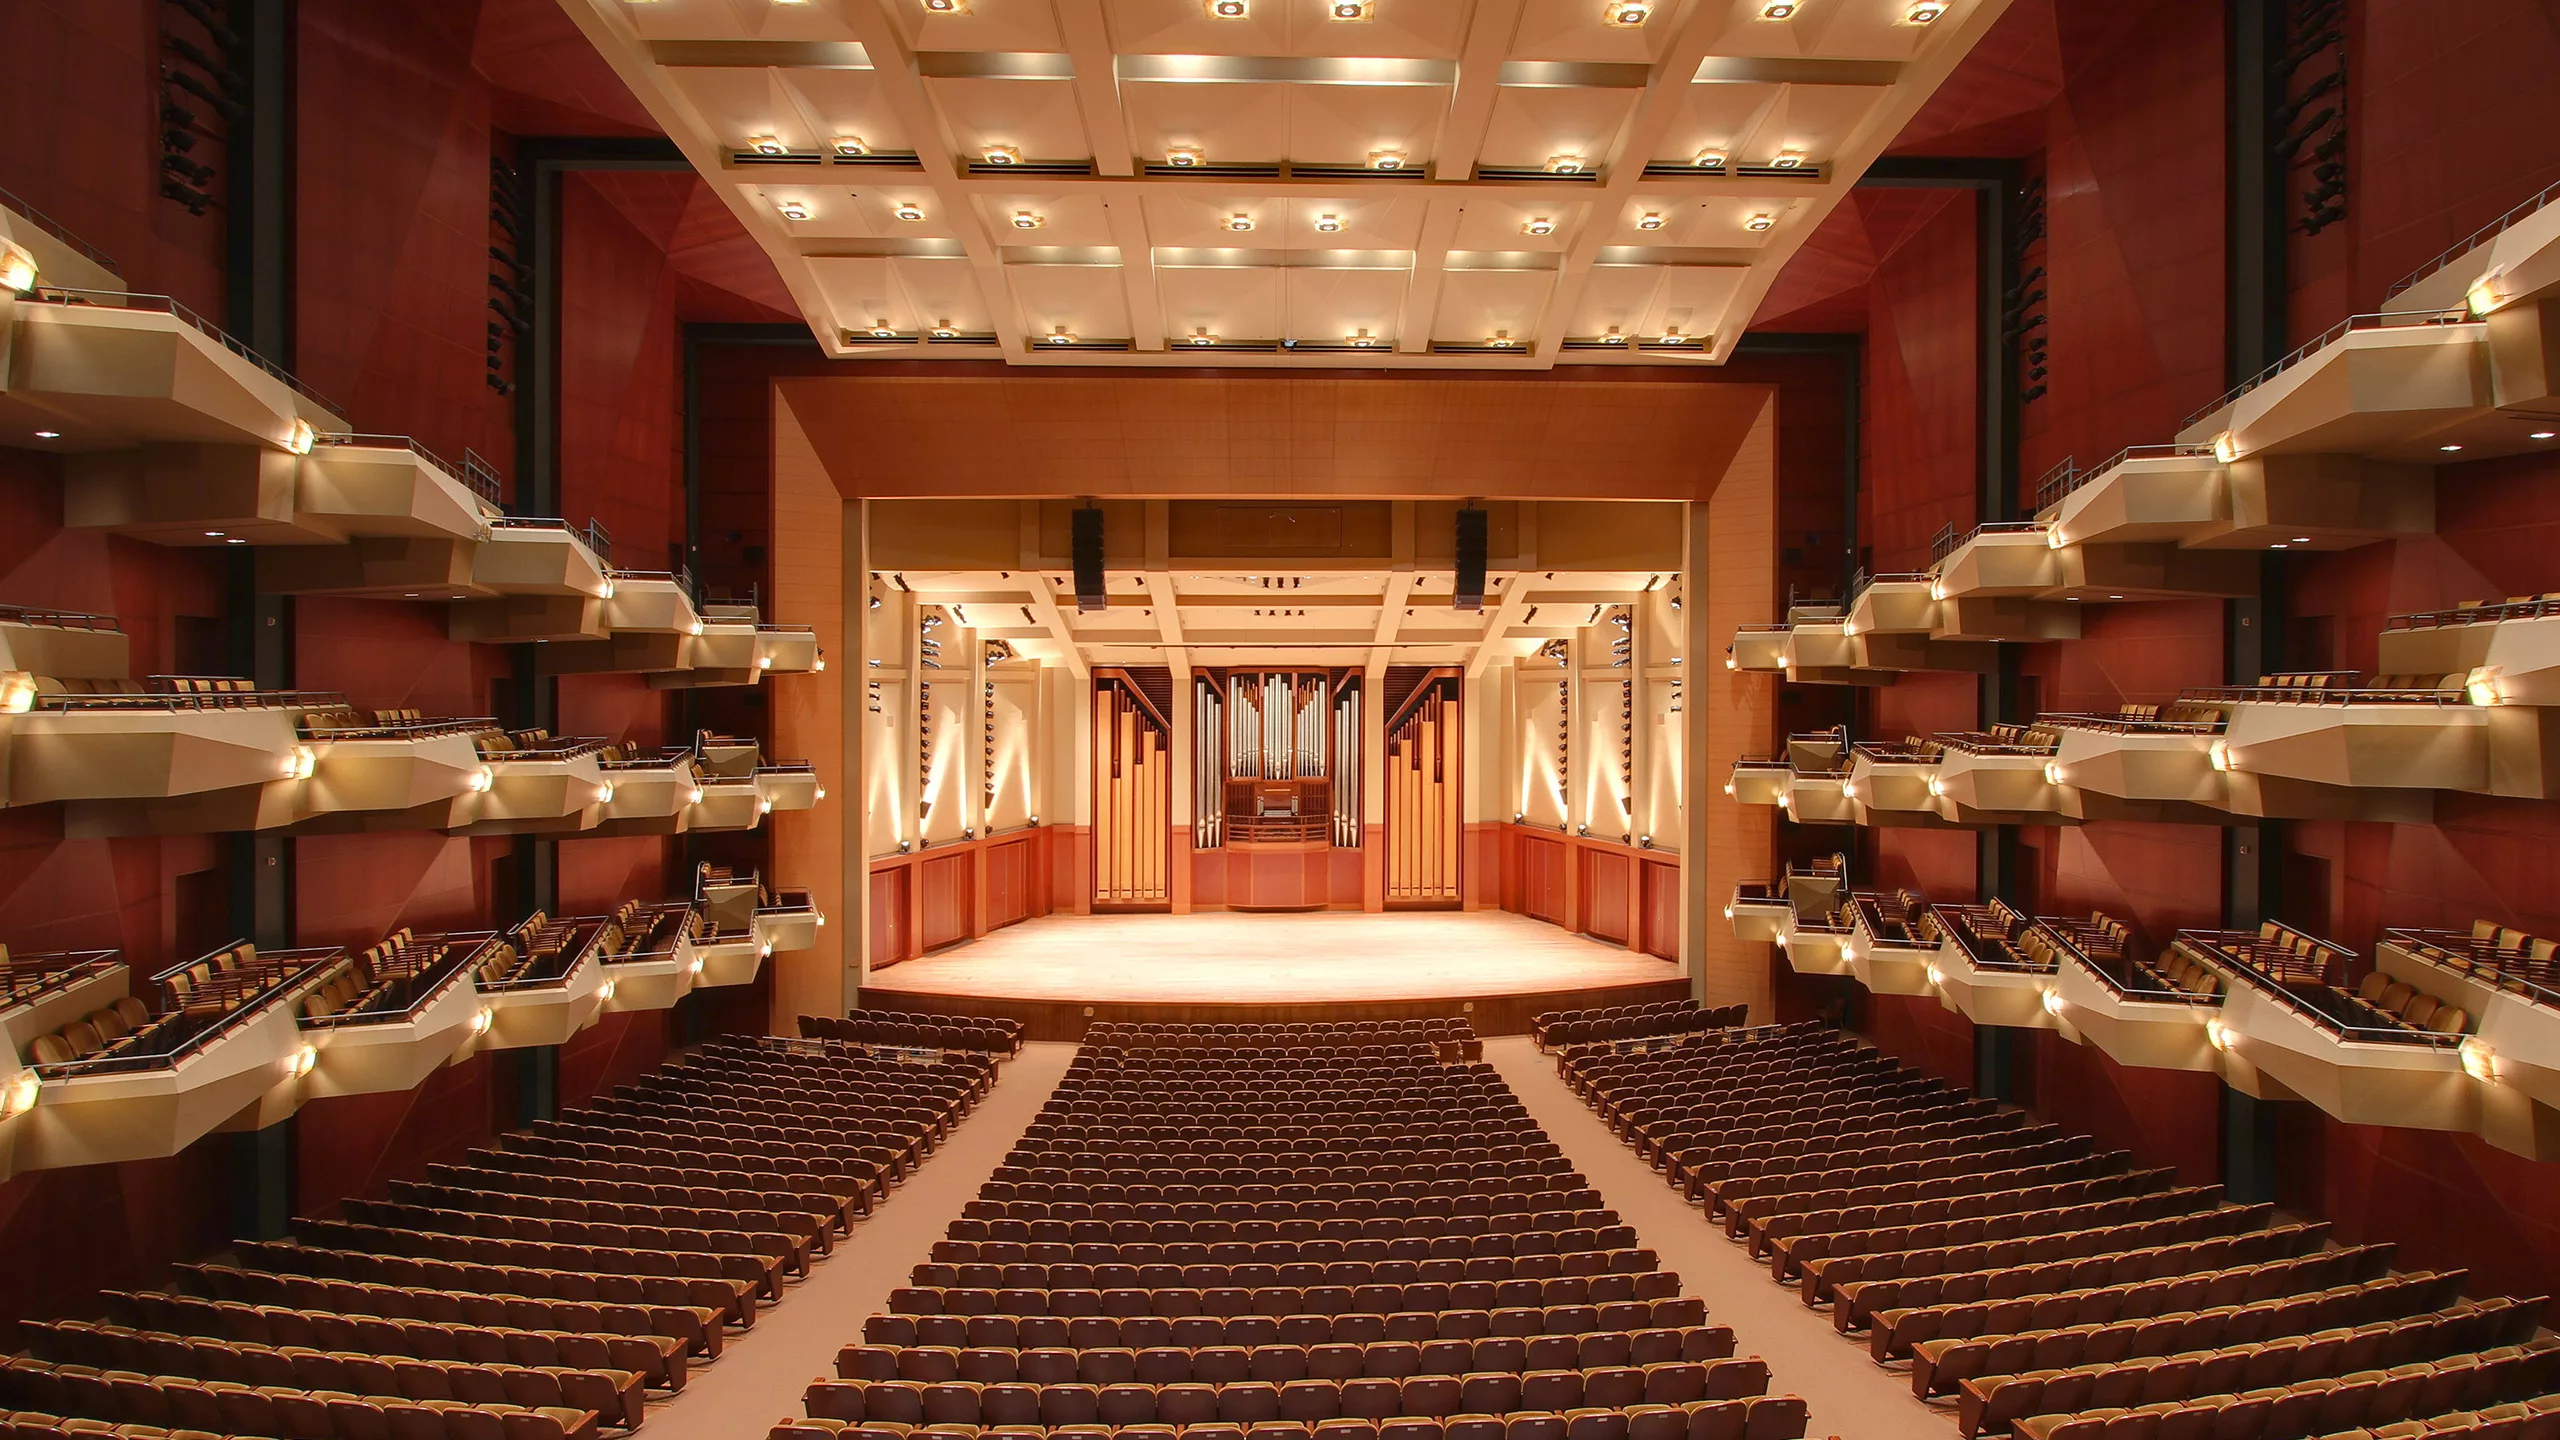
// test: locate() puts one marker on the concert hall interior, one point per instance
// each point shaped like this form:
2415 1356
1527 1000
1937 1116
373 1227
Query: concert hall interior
1279 719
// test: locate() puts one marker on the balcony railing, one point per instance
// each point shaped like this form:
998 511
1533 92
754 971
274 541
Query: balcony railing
473 474
399 729
164 305
182 1024
2478 613
54 228
2066 478
2127 978
178 692
431 966
58 619
1947 541
2515 971
2385 320
2325 692
2311 982
28 978
2471 242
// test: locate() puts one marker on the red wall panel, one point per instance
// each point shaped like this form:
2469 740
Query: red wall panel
944 900
1608 880
67 1234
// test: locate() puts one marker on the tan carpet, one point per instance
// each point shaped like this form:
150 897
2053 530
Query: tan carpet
1852 1397
760 1375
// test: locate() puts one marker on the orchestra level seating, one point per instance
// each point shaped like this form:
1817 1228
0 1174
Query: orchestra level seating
1343 1232
2033 1285
543 1289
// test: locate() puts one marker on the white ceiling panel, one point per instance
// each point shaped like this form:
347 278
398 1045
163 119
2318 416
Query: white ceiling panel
1105 90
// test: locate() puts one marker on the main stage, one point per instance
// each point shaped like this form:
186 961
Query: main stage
1060 973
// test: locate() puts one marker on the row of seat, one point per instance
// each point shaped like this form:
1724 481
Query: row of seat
1291 1230
2089 1307
1283 1361
1609 1024
935 1032
539 1291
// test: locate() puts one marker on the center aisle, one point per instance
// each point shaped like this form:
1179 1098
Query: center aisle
1851 1399
760 1376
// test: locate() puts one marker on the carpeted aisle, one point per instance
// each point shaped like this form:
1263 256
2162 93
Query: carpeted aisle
1852 1397
760 1375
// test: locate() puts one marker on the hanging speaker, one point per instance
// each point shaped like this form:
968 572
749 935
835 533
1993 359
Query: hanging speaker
1470 587
1087 549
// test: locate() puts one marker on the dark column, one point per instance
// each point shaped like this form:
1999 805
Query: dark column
537 1083
1995 1052
2249 1129
262 1189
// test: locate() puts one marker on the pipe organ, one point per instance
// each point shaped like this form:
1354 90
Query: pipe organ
1424 826
1132 795
1277 758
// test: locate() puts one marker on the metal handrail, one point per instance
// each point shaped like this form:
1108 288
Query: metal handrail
1894 752
28 977
404 729
163 304
2131 725
2540 978
2057 482
57 230
482 483
457 956
2127 984
305 965
2541 606
2305 695
58 619
2472 241
2237 952
566 747
1982 742
209 700
2381 320
2050 492
1947 542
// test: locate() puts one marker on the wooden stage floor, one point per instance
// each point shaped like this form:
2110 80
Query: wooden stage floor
1497 968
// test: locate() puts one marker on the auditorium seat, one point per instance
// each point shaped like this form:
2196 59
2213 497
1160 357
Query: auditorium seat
2047 1289
538 1291
1286 1232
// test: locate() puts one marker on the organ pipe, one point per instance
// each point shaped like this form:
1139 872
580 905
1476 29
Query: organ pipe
1132 799
1423 823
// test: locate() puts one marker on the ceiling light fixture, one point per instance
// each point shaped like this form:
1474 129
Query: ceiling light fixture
767 145
1386 159
1002 155
851 147
1760 222
1613 337
1630 13
1025 220
1710 159
1200 336
48 434
940 332
792 209
1777 9
1924 12
1787 160
1649 221
1329 224
2545 435
1564 164
1539 226
908 210
947 7
883 331
1228 9
1351 9
2450 449
1502 340
1059 336
1361 339
1240 223
1184 157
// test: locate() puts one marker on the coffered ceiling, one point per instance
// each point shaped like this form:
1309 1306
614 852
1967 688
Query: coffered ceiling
1432 183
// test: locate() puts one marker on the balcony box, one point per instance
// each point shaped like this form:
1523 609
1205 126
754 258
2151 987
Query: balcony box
624 652
657 603
1761 782
1885 966
2015 560
559 786
63 644
2377 385
730 958
173 493
143 746
1894 605
1758 914
538 557
787 650
112 371
389 1053
148 1107
1760 648
2158 493
1816 948
2380 746
2153 570
655 979
787 787
790 922
546 1011
723 654
1988 995
2408 1079
728 804
2510 651
1892 780
652 795
1820 798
